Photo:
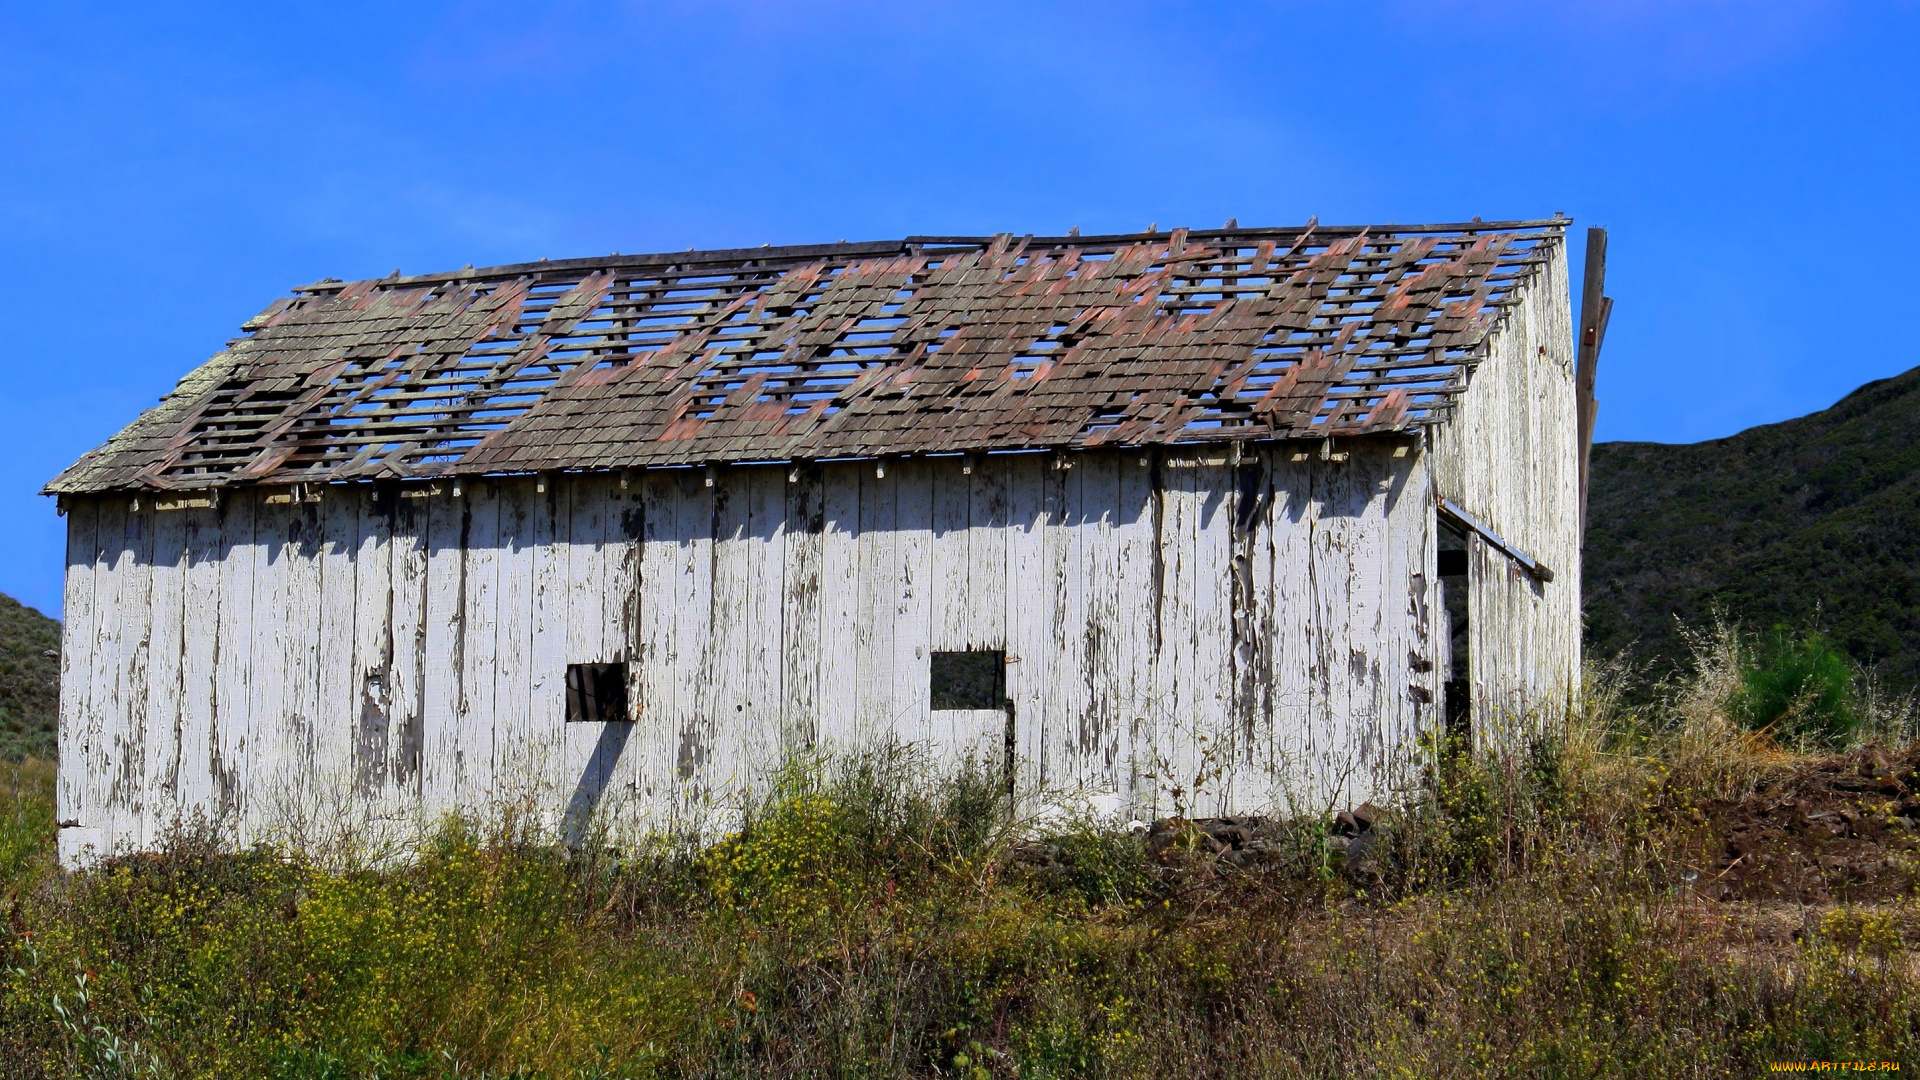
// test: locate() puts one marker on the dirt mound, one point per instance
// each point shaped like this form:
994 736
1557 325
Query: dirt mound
1842 828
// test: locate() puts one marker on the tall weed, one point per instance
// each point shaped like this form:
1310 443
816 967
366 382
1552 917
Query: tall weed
1526 916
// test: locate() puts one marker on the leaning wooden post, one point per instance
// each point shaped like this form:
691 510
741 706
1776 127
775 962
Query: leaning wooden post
1595 308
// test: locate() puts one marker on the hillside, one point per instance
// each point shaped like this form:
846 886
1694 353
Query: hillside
29 681
1811 521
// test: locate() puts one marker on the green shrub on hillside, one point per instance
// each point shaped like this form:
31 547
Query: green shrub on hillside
1800 687
29 681
1525 917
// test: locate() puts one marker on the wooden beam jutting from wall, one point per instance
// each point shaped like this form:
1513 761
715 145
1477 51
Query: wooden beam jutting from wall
1595 309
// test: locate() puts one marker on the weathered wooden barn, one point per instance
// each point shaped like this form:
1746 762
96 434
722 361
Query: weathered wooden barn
1175 517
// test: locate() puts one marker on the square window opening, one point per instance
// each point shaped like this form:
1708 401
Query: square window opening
596 693
975 679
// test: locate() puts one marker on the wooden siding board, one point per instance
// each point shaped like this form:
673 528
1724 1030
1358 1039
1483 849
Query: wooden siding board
839 689
443 661
166 610
367 711
78 652
623 615
267 705
517 738
335 725
1176 750
801 652
550 527
1245 633
581 771
879 570
692 732
725 684
475 715
1509 455
948 600
202 557
409 546
1135 656
1293 516
1023 604
1096 738
759 729
1065 714
1214 501
295 725
123 727
912 604
655 704
233 662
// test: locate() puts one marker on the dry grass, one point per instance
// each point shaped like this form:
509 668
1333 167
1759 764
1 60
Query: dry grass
1531 917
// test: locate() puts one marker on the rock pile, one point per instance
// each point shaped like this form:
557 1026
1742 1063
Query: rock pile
1844 827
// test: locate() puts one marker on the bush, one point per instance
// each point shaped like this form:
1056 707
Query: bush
1524 917
1799 687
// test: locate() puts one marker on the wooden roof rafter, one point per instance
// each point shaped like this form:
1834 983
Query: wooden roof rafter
924 345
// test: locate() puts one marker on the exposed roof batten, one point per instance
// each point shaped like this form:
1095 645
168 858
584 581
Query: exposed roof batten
924 345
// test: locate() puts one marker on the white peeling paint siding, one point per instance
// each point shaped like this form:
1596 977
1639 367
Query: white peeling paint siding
1510 456
1180 630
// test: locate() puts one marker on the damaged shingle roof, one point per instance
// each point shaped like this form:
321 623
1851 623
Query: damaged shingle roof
924 345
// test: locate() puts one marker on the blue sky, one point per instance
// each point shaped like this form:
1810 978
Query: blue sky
166 171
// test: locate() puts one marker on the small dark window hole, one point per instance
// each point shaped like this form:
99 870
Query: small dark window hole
976 679
596 692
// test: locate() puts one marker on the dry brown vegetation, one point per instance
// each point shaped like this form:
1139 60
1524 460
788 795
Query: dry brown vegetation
1649 891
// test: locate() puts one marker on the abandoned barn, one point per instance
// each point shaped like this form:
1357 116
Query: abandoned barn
1204 520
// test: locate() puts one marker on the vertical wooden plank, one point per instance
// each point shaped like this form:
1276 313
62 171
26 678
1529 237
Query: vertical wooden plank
949 611
1062 575
725 685
1095 745
801 655
202 555
104 708
266 693
479 651
1177 747
126 764
517 782
444 662
912 613
1413 679
367 710
874 653
1215 491
656 705
1369 620
984 735
338 681
167 629
693 638
1030 611
766 593
547 695
241 546
293 760
950 615
1287 617
586 627
624 613
987 525
78 642
1249 699
1133 653
839 690
1333 575
410 545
